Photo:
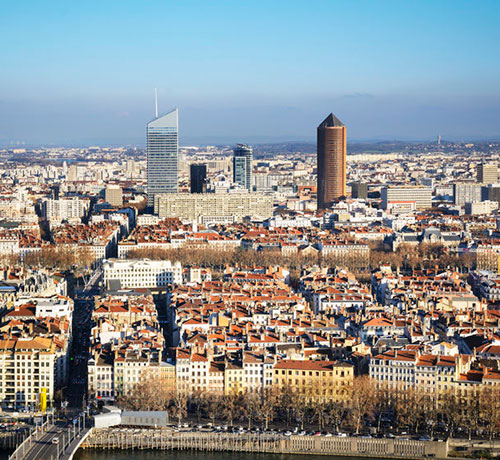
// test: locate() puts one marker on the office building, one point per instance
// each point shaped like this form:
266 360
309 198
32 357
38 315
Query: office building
162 155
242 166
487 173
214 207
466 192
406 198
114 195
480 208
359 190
198 175
331 164
141 273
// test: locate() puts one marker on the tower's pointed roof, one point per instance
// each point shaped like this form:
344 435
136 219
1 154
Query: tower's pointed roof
331 121
169 120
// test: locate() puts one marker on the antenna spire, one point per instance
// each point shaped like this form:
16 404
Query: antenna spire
156 103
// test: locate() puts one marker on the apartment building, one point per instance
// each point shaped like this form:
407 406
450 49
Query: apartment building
214 207
65 208
29 367
314 378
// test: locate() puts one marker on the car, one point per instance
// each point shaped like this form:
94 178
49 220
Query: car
318 433
55 440
288 433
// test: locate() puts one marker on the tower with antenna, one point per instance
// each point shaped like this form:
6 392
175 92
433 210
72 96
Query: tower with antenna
162 153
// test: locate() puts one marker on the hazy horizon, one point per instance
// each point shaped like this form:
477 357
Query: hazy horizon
85 73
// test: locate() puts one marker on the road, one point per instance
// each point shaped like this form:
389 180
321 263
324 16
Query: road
76 394
44 449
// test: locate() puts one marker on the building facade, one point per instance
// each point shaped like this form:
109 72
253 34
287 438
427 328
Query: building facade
142 273
487 173
114 195
198 174
242 166
214 207
415 197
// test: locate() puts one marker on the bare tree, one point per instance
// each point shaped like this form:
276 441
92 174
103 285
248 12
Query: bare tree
179 407
362 397
269 399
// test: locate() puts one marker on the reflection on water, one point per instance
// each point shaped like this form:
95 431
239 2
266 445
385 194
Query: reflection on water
98 454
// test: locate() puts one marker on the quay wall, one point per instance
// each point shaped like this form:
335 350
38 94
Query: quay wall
122 438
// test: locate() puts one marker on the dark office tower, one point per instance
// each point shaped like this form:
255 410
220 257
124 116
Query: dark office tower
331 165
54 192
359 190
198 178
162 155
242 166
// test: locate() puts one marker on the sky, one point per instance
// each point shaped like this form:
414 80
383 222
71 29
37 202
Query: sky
84 72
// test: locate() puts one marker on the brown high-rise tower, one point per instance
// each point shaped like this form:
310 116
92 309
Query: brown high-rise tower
331 161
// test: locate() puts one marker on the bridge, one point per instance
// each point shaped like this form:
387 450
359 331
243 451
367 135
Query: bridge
54 440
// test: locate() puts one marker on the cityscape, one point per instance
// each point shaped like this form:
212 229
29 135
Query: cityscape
322 294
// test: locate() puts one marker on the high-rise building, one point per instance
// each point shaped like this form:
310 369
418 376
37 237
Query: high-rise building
114 195
487 173
242 166
162 155
466 192
359 190
198 178
331 165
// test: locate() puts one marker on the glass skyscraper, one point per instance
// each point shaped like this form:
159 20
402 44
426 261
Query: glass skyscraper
242 166
162 155
198 178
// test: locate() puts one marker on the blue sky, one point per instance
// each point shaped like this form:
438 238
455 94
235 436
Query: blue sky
252 71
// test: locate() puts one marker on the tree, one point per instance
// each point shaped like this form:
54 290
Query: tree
362 397
336 413
150 393
269 399
251 407
213 406
179 407
231 406
489 398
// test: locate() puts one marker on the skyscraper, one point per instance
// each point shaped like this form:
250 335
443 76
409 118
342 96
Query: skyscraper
162 155
198 178
487 173
331 165
242 166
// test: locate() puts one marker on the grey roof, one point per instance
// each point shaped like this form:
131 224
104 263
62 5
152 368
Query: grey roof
331 121
169 120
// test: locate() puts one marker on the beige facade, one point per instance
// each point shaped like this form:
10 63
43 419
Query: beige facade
214 207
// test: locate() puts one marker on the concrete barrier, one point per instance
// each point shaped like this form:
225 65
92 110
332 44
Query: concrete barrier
123 438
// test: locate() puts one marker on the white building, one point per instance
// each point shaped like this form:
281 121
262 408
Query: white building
410 197
65 209
142 273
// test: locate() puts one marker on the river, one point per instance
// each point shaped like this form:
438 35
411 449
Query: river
91 454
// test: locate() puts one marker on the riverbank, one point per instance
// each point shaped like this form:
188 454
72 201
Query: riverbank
167 439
